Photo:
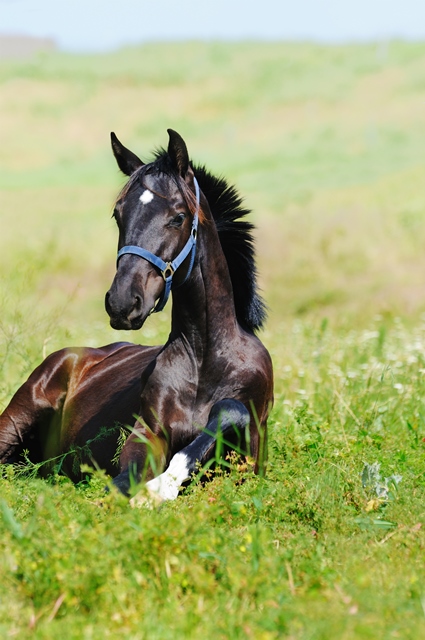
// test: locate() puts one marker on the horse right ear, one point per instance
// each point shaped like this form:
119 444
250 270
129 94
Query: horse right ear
127 161
177 152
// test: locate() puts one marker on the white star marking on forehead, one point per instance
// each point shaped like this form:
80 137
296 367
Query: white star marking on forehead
146 197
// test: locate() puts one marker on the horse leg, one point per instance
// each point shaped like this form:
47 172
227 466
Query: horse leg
26 422
226 425
143 455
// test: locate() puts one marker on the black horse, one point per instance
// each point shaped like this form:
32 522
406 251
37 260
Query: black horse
181 230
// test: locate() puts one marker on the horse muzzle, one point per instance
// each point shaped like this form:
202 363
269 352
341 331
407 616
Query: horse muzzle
134 291
125 314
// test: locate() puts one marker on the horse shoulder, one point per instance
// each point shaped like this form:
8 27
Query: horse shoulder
254 361
253 374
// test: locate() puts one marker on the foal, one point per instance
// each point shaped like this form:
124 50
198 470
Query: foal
179 231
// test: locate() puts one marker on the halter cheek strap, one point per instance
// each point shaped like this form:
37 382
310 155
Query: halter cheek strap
168 269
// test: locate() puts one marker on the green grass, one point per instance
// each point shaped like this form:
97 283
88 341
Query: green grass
326 145
298 554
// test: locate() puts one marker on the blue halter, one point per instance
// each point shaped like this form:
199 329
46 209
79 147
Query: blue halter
168 269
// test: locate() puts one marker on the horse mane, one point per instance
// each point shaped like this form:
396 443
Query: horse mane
236 239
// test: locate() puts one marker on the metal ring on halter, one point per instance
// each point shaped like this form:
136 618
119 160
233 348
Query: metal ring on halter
168 271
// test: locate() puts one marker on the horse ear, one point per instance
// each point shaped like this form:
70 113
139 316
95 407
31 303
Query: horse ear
127 161
177 152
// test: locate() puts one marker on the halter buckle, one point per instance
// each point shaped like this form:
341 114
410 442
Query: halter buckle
168 271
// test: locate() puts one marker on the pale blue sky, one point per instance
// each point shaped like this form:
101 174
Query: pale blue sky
99 25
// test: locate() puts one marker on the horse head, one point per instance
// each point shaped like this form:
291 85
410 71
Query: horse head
157 215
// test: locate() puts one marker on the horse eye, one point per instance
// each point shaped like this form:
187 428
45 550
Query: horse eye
178 220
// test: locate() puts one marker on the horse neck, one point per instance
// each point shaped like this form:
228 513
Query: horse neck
203 308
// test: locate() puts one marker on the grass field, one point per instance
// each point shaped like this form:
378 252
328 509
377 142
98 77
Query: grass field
327 146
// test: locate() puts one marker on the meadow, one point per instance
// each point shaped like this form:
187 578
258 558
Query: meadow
326 144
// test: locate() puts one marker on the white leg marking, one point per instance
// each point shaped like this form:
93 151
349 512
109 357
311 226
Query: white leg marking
165 486
146 197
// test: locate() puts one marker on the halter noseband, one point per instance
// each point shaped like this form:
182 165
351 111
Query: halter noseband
168 269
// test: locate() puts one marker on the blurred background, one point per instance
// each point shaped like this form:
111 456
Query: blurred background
314 109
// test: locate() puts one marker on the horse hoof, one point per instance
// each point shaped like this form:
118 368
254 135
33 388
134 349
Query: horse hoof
147 499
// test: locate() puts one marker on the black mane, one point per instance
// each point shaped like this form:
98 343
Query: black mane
236 238
237 242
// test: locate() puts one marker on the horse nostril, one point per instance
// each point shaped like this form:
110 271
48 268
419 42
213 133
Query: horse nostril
107 305
137 303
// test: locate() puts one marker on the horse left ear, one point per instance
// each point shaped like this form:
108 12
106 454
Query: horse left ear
127 161
177 152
